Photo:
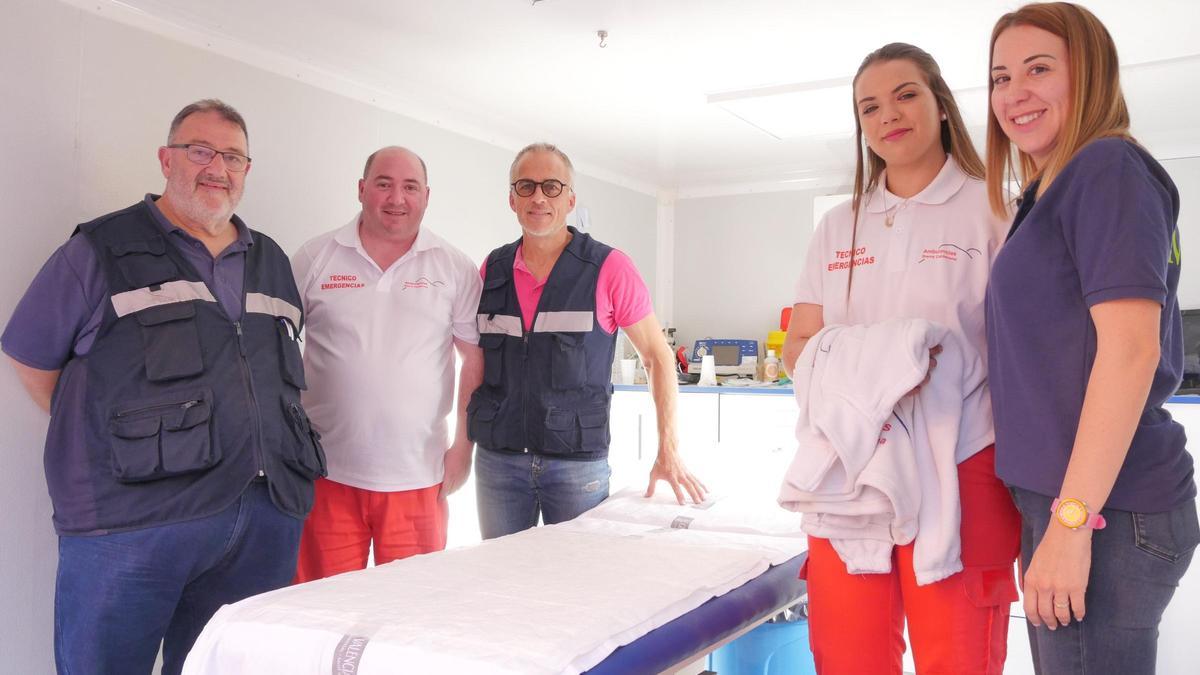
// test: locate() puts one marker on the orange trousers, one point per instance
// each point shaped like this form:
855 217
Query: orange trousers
345 521
958 626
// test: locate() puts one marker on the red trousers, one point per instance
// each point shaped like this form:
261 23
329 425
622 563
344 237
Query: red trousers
345 520
958 626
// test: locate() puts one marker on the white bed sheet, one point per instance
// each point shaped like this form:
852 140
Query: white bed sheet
556 599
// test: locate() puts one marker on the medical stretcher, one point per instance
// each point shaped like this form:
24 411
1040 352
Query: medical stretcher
632 586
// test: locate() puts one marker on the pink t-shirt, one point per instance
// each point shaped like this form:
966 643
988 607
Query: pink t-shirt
622 298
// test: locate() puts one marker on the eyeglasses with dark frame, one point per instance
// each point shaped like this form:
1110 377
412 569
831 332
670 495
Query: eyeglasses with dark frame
203 155
550 187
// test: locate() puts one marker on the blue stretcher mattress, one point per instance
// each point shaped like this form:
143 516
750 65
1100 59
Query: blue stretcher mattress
698 631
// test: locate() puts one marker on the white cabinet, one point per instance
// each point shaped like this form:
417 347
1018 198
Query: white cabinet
634 427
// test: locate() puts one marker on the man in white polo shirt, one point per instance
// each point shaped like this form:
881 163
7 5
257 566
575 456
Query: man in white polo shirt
388 303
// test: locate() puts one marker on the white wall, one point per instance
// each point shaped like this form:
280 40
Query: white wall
86 104
737 259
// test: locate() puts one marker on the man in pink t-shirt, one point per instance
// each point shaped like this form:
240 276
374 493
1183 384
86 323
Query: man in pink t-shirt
548 316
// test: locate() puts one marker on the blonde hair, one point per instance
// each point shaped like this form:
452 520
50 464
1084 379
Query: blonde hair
1097 105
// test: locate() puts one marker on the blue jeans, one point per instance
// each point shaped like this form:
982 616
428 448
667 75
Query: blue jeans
1137 562
511 490
119 595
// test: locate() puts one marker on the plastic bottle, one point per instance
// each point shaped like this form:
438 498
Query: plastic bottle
771 367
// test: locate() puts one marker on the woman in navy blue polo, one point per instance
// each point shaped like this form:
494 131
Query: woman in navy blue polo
1085 346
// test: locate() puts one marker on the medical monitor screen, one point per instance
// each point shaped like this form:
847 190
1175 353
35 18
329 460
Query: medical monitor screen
727 355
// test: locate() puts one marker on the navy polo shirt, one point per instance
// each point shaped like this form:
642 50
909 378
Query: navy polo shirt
1104 230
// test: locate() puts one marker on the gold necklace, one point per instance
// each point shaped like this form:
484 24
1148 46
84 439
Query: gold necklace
889 214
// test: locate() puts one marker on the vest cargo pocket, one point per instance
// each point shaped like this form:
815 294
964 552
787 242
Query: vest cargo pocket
291 362
171 341
145 262
568 363
305 456
162 437
493 358
481 418
593 429
562 432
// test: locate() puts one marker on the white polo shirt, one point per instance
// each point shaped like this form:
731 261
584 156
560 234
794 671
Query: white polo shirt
379 354
931 263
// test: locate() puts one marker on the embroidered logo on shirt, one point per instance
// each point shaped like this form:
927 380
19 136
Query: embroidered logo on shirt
949 252
341 281
422 282
842 259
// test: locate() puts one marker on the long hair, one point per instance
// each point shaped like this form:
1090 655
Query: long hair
1097 105
955 139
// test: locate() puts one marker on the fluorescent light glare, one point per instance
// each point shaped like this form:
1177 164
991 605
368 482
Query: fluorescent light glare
821 108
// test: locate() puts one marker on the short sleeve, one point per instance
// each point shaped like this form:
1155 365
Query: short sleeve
622 298
1119 225
810 285
58 308
302 263
466 300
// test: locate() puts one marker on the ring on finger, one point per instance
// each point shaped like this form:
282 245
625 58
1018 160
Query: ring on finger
1062 605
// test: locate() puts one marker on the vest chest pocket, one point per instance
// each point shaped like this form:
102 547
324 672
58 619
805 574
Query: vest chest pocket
144 263
568 361
305 455
493 358
162 437
494 295
171 341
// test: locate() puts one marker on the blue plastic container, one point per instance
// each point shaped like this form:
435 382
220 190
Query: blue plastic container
770 649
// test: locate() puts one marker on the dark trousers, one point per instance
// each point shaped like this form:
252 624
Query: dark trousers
1137 562
119 596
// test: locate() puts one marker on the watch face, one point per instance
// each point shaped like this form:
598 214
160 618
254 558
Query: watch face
1072 513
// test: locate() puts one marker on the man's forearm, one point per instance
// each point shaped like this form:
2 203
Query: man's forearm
470 376
38 383
664 391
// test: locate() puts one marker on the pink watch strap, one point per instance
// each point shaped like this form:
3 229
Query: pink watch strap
1095 521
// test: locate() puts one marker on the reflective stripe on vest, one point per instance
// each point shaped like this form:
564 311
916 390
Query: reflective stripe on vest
264 304
170 292
563 322
504 324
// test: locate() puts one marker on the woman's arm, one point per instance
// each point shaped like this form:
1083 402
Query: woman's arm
806 322
1127 354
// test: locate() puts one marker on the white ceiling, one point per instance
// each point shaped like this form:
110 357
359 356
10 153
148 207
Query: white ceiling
636 111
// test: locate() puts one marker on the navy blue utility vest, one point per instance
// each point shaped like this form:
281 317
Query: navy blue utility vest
184 407
546 391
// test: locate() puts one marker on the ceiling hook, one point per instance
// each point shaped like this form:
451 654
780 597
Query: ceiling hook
603 35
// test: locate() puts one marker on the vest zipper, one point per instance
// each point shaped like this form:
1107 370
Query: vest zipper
257 416
184 405
525 393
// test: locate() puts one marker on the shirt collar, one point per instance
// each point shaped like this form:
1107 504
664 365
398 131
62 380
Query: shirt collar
244 239
944 185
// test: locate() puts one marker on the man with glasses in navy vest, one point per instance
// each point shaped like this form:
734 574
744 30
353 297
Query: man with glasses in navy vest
551 305
162 340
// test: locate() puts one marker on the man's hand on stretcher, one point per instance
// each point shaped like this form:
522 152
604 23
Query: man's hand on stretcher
669 466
